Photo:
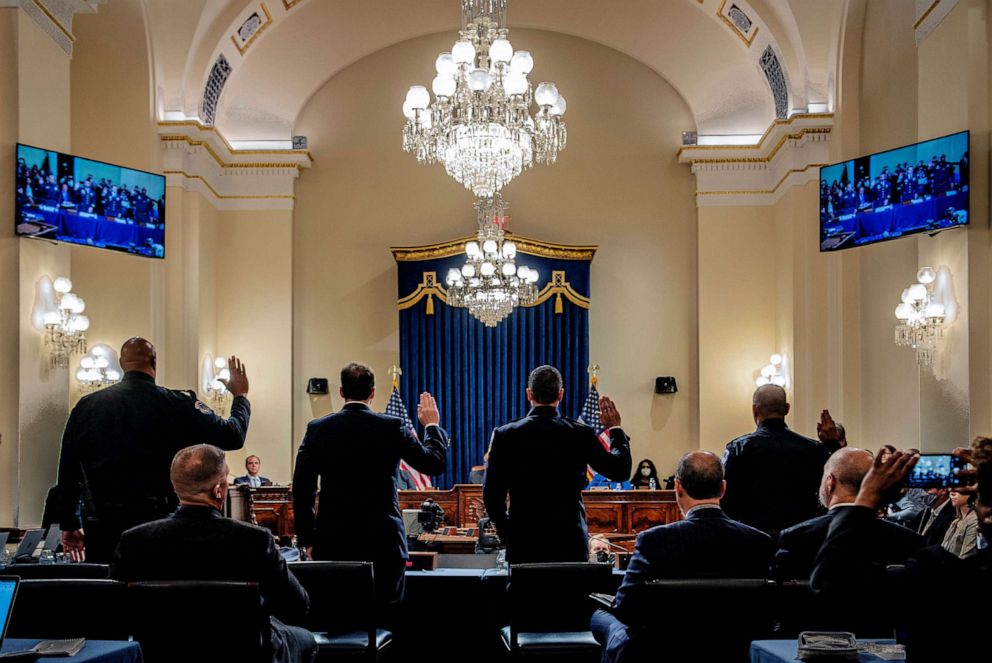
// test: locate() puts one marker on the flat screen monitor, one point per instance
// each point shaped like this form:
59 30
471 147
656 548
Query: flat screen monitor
65 198
912 189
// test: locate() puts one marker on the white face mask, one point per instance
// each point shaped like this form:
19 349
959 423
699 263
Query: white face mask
645 471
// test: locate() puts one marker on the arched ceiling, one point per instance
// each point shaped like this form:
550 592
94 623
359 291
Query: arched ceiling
704 48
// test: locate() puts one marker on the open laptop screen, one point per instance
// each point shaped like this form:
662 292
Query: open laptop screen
8 588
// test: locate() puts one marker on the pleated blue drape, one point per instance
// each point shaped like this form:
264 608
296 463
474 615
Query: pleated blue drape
479 374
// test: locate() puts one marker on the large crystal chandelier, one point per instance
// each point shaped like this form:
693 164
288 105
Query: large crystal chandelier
490 284
480 124
57 313
921 319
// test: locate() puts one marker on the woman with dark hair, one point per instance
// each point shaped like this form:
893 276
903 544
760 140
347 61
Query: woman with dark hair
645 476
962 536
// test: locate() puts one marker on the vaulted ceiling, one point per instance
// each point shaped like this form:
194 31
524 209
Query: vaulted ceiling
249 66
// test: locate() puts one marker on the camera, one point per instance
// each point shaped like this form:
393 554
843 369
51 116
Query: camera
431 515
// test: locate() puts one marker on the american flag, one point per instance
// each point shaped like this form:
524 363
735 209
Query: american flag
590 417
396 408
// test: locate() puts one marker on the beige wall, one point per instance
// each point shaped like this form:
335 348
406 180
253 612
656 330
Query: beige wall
617 185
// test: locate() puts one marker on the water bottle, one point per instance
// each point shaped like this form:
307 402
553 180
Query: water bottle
652 484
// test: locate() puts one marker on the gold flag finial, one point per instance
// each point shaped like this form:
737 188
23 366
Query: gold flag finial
396 372
593 371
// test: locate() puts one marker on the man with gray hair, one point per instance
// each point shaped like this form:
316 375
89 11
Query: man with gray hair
706 544
198 543
773 473
842 476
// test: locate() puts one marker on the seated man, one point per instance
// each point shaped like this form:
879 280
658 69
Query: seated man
707 544
254 465
198 543
889 543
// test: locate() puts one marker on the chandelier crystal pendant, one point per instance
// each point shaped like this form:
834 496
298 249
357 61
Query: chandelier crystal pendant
480 124
490 284
58 314
921 319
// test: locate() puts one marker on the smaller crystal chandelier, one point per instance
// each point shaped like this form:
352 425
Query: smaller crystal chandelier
921 319
217 395
773 372
98 368
58 314
490 284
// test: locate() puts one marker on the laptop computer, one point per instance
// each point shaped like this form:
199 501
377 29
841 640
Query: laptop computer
8 590
25 551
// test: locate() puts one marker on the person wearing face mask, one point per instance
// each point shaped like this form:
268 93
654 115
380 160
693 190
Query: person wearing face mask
962 536
644 475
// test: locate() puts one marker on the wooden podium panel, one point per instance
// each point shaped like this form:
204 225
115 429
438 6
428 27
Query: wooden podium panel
607 511
270 507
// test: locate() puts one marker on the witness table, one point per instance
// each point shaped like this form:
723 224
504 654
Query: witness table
785 651
94 651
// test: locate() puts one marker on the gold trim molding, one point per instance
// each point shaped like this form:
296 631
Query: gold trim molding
557 287
524 245
771 155
178 138
765 192
747 41
764 136
925 15
55 21
430 288
268 21
223 196
204 127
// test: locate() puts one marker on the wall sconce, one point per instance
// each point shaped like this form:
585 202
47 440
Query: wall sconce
216 394
98 369
58 315
921 318
773 372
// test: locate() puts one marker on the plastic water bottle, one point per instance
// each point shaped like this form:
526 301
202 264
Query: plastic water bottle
652 484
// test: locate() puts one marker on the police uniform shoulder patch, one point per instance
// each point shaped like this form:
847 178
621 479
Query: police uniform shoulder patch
203 407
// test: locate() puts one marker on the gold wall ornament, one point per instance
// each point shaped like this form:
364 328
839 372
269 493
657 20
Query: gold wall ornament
533 247
557 287
428 287
243 48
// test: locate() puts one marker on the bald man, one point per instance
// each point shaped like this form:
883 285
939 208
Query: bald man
773 473
706 544
119 443
842 476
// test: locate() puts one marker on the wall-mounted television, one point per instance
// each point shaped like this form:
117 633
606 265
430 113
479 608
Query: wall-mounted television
65 198
912 189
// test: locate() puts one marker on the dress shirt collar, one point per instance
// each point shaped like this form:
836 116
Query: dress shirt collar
702 507
357 405
544 411
837 506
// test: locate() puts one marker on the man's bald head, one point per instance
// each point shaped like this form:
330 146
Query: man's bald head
198 473
137 354
701 475
769 402
843 474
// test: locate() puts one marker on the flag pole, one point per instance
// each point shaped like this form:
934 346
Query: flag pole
396 372
593 371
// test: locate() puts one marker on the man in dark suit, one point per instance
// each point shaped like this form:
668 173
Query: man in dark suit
253 464
356 454
119 442
773 473
707 544
934 521
199 543
932 577
842 476
541 461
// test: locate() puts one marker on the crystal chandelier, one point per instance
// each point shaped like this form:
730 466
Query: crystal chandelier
921 319
216 393
58 315
98 369
490 284
480 124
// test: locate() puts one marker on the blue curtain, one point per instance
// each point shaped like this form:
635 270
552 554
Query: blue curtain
479 374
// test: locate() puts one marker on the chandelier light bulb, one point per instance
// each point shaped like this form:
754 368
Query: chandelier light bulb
778 380
113 374
81 374
509 269
768 371
51 318
489 246
487 269
86 362
775 359
761 381
934 310
917 292
926 275
62 285
546 94
445 64
501 51
408 111
509 250
418 97
521 63
472 249
479 80
463 52
522 272
515 83
532 275
101 362
443 85
454 276
468 271
79 323
558 108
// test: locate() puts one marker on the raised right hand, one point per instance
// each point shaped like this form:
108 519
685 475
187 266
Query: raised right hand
427 411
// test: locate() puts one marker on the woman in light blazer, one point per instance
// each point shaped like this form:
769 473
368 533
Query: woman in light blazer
962 536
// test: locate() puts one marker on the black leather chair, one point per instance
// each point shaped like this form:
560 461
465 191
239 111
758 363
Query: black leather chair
342 610
798 608
198 620
698 619
550 610
48 571
58 608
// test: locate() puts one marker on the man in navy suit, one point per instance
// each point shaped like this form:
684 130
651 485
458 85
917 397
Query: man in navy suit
934 521
797 546
541 461
253 464
356 453
707 544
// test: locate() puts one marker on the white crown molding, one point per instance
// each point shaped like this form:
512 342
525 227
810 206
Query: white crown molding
788 154
198 158
929 14
54 17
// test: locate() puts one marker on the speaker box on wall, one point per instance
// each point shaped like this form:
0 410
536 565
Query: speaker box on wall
317 386
665 385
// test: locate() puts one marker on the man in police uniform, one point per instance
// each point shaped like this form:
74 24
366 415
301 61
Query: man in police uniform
118 445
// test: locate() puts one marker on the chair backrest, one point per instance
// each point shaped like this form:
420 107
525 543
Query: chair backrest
342 595
799 609
69 608
675 618
554 597
49 571
216 620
